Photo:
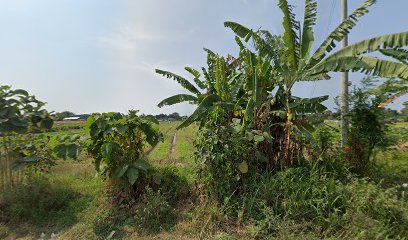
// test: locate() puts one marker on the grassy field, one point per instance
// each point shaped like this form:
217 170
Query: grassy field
70 200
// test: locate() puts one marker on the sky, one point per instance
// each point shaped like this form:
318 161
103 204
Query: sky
99 55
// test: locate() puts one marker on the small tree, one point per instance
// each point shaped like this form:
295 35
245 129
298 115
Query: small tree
117 143
368 118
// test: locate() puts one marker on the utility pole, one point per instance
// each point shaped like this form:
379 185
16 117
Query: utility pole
344 108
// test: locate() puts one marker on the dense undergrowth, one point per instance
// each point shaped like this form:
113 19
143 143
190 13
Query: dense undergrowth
320 200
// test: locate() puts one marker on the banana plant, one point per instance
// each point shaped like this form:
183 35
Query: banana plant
294 60
197 91
221 86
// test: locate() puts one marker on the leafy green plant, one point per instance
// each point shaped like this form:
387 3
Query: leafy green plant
117 143
368 129
292 61
22 117
225 158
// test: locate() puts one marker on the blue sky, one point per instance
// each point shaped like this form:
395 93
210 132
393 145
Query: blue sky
100 55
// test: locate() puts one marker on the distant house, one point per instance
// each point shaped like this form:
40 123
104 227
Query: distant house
81 117
71 119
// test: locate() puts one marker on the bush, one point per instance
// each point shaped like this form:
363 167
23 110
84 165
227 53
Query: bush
223 155
117 143
154 213
174 186
154 210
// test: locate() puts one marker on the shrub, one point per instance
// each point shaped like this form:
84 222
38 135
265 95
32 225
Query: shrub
223 155
368 119
117 143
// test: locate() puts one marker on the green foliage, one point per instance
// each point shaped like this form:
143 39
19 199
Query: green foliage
40 152
157 209
20 112
325 137
399 54
21 117
59 116
368 120
117 143
36 200
223 155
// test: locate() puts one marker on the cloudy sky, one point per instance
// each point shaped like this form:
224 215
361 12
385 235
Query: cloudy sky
100 55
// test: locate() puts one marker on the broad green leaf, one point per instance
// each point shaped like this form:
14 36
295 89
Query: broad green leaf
243 167
399 54
67 151
250 136
152 136
364 64
196 79
120 171
20 92
142 164
46 123
108 150
182 81
205 104
238 29
290 36
268 137
307 33
179 98
338 34
259 138
157 178
395 40
132 175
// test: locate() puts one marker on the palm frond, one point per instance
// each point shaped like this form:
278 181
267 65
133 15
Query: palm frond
209 52
307 32
308 105
340 32
364 64
179 98
182 81
239 29
203 107
197 76
398 54
395 40
290 37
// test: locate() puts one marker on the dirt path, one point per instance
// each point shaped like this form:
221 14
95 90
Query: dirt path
173 143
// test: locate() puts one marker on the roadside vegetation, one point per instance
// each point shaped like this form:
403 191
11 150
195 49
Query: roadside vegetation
253 161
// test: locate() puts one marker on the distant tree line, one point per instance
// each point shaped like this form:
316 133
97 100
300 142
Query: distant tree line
167 117
59 116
